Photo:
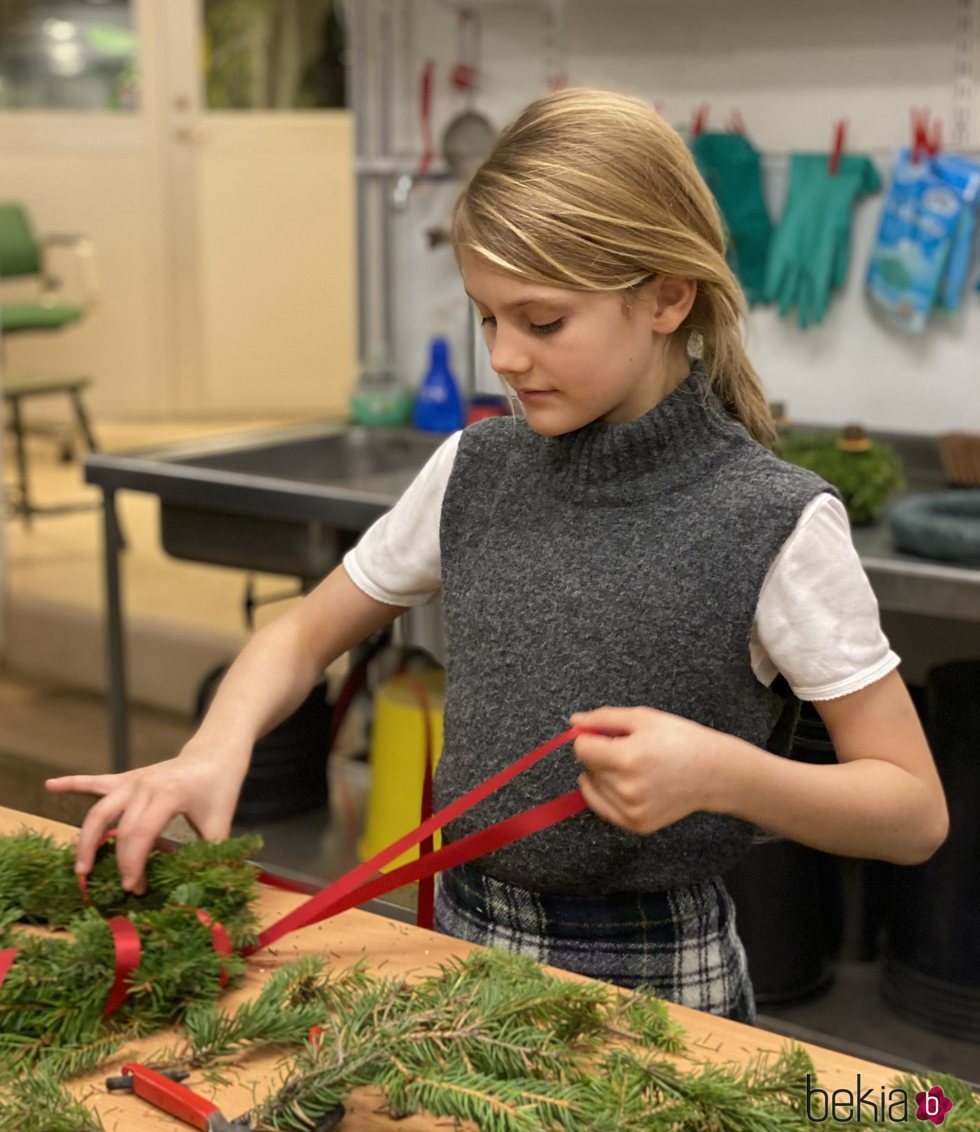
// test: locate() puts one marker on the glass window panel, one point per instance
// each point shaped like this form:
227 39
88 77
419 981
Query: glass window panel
273 54
77 55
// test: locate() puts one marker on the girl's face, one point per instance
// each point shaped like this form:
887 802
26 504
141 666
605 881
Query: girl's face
574 357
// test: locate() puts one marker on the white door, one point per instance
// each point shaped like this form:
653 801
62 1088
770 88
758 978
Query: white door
261 206
79 149
184 139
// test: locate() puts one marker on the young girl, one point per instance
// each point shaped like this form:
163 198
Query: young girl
629 557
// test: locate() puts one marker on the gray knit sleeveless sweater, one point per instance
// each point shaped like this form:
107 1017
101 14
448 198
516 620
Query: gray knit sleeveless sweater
614 565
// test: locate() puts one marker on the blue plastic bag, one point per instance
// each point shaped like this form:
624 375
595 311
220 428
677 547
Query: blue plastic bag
963 176
925 241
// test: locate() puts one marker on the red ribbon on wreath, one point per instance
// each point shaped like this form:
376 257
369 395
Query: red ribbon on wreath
126 940
220 940
7 957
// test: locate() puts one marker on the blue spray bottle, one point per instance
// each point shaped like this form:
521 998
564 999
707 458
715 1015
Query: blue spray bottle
438 405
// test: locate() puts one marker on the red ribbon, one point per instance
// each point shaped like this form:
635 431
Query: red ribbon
466 849
7 957
220 940
358 886
126 941
276 881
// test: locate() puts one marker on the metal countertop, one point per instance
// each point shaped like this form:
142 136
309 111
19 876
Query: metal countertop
238 473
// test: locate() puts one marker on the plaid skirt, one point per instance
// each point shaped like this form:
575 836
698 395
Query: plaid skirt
681 943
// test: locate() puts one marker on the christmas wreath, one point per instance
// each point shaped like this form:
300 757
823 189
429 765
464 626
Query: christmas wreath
70 989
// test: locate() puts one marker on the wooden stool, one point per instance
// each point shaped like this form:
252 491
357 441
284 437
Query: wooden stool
15 390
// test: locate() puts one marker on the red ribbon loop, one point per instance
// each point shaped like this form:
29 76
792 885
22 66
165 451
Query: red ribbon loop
126 940
358 886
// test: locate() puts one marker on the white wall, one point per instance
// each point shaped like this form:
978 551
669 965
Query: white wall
265 255
792 70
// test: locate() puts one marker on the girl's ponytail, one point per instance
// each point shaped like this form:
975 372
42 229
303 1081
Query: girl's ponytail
717 316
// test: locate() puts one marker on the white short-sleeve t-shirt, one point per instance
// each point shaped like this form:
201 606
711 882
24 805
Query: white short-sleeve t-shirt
816 621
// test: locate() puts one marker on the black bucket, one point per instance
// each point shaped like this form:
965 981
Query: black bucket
931 963
287 775
789 900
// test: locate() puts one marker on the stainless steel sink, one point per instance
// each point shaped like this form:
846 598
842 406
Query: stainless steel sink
287 501
354 455
292 500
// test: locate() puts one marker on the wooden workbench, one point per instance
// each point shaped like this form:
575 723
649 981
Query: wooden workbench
394 947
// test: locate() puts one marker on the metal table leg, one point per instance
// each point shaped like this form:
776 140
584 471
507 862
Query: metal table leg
115 643
23 505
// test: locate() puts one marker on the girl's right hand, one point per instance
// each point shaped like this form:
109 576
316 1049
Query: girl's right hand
203 785
272 675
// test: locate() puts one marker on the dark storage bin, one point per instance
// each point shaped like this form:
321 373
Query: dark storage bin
287 775
789 900
931 963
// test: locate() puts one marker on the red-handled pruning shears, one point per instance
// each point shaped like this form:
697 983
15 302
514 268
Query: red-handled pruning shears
165 1092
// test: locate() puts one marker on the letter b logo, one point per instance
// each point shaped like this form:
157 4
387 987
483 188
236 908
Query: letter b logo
933 1105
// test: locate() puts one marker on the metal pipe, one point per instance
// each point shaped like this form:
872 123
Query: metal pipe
386 231
355 76
115 640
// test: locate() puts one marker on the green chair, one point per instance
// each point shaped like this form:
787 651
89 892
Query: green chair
22 258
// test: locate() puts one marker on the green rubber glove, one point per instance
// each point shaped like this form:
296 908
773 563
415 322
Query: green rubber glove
810 252
731 166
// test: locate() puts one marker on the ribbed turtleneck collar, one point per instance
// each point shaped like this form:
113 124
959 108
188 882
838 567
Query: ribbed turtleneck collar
614 463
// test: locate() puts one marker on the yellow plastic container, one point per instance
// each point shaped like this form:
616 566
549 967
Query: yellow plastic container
398 761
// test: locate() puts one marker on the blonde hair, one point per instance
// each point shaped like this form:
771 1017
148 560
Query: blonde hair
593 191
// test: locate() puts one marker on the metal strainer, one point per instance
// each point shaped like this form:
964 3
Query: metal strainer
466 142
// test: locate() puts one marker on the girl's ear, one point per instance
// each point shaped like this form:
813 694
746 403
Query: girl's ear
669 299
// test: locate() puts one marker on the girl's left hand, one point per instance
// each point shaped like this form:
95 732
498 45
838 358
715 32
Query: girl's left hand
651 769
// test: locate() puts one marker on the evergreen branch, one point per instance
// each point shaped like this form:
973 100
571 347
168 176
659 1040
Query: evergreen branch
642 1017
295 998
37 1103
520 1105
965 1114
534 1052
19 1054
755 1098
37 879
311 1091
